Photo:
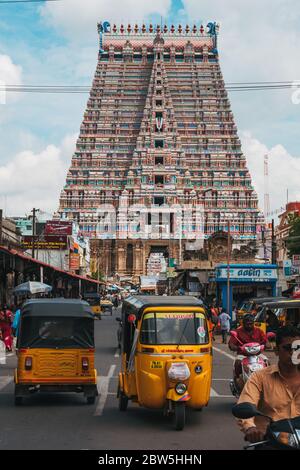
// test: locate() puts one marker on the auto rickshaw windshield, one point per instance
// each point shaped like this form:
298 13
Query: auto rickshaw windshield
246 306
174 328
53 332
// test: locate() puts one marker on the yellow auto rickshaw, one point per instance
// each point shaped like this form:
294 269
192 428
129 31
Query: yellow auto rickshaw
94 300
279 313
166 355
55 349
254 306
106 307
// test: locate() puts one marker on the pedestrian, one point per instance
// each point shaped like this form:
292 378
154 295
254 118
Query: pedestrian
234 317
116 301
225 325
5 326
16 321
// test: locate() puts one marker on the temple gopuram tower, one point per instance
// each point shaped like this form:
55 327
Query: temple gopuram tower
158 135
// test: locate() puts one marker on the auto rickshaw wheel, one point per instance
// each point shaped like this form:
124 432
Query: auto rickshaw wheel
179 416
91 399
18 401
123 401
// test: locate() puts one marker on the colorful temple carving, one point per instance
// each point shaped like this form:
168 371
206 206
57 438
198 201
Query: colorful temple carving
158 133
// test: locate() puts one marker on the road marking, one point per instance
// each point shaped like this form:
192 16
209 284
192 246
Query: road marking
224 353
225 380
103 383
5 380
214 394
117 354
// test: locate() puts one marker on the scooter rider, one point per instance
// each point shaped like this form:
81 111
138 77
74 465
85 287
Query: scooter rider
275 390
247 333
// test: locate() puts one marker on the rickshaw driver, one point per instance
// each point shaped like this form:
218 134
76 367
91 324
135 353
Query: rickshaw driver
171 333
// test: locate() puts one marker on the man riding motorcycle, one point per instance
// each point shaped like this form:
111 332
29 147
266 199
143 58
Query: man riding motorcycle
275 390
247 333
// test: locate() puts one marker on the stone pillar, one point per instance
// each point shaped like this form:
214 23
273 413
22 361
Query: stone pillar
121 259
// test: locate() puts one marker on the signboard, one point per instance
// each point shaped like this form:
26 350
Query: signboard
252 274
287 267
45 243
74 262
296 260
58 227
171 272
148 282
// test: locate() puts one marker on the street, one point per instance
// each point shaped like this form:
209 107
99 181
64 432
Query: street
65 421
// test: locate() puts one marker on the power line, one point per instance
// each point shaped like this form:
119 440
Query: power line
27 1
242 86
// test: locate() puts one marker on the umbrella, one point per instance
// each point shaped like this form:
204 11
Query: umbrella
32 287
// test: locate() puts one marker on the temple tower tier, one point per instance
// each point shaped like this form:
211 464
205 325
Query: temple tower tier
158 168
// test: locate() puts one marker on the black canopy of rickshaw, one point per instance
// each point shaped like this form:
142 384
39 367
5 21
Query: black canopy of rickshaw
262 300
56 323
282 304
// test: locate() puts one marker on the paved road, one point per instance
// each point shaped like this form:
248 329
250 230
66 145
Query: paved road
65 421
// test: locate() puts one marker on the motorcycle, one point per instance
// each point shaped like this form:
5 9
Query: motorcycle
252 360
282 434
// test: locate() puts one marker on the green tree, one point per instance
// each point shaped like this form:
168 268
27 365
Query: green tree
293 240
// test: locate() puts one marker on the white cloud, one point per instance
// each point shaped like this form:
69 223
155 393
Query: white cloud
35 179
284 171
10 74
76 20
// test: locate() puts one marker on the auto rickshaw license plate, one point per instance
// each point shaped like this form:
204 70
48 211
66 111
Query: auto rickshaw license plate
156 365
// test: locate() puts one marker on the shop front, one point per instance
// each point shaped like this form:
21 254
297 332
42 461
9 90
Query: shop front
245 281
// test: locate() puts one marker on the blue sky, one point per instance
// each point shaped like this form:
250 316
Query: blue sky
57 43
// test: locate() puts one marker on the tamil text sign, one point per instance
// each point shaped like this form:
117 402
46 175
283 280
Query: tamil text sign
45 243
248 274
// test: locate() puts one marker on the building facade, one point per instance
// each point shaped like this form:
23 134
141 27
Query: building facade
158 169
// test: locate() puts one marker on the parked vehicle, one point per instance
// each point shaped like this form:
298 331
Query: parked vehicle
94 299
254 305
285 312
106 306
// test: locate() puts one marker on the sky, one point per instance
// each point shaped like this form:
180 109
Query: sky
56 43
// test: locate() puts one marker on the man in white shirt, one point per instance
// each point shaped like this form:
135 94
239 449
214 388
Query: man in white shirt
225 325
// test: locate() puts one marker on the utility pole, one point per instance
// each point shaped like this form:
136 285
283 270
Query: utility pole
34 211
273 244
228 267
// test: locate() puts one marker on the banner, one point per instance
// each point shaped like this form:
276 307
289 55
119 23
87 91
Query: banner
74 263
58 227
45 242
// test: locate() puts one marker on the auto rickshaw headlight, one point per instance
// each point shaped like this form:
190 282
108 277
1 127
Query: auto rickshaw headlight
179 371
180 388
85 363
